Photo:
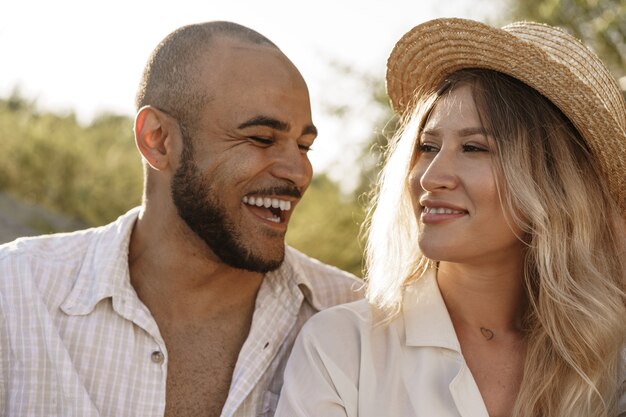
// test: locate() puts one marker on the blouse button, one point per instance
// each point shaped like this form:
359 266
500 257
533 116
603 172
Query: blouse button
157 357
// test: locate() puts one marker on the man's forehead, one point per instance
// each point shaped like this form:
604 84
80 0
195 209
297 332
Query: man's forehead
245 80
238 65
225 47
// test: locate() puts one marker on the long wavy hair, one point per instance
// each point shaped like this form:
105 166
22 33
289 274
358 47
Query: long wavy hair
574 266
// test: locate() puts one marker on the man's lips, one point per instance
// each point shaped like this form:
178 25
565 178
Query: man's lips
272 208
267 202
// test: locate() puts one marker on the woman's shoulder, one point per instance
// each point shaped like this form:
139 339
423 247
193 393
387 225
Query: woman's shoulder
353 326
340 318
338 326
334 340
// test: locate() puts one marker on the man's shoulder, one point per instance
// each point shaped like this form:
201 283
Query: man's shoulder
62 247
41 268
53 263
57 247
329 284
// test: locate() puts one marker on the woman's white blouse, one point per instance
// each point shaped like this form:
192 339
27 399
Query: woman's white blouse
341 365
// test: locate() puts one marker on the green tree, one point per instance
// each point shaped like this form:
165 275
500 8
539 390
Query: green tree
328 221
326 225
92 173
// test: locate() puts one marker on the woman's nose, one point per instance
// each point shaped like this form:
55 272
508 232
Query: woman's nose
438 172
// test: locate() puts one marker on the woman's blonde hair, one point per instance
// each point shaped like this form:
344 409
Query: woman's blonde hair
574 268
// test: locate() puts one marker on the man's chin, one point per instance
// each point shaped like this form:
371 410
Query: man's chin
260 266
255 261
269 264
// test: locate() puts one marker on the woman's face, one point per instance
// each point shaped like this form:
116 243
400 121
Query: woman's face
453 188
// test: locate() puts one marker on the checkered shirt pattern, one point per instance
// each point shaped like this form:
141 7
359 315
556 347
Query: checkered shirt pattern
75 340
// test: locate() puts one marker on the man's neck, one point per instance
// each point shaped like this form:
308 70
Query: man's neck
172 269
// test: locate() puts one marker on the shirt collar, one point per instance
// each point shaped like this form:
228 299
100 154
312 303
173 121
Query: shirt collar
104 272
104 269
426 318
315 281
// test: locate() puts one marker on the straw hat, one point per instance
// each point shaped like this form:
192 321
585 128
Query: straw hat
546 58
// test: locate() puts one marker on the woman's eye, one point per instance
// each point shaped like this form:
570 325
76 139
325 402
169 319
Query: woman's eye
260 140
474 148
427 148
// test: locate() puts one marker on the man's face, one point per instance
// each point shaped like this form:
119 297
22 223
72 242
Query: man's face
244 166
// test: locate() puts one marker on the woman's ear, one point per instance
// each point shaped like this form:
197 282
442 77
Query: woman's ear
152 128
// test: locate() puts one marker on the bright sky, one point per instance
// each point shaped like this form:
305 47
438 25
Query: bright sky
87 57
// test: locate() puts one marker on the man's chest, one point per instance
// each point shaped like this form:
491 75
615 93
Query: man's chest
200 364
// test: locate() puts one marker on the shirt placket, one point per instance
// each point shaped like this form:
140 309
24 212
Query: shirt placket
151 353
274 317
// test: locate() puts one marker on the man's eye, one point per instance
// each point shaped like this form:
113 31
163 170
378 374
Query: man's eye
304 148
260 140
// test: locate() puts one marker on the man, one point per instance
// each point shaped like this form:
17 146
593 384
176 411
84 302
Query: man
189 305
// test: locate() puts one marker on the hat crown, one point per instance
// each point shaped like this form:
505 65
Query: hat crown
580 60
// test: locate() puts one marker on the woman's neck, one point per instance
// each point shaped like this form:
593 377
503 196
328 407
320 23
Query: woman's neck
491 299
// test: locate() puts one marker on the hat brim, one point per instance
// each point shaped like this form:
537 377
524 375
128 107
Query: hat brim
545 58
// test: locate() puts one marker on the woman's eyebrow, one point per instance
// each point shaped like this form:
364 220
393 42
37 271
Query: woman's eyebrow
469 131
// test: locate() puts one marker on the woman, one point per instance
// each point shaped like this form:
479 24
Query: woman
496 244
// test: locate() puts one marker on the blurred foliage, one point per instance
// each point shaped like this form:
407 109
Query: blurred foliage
326 223
338 215
601 24
367 103
93 174
372 155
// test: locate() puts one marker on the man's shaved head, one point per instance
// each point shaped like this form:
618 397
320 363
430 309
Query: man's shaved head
169 80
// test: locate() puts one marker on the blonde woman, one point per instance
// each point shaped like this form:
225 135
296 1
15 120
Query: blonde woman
496 254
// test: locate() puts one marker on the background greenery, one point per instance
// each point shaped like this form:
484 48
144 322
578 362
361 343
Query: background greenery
93 173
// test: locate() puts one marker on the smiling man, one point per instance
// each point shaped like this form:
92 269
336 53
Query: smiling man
189 304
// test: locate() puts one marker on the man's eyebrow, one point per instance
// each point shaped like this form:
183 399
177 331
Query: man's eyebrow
276 124
265 121
309 130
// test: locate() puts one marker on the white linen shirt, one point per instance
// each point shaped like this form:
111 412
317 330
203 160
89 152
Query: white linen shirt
75 340
341 365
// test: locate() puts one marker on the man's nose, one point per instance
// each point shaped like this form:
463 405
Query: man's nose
290 163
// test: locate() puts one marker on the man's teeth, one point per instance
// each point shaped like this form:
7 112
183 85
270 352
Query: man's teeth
439 210
267 202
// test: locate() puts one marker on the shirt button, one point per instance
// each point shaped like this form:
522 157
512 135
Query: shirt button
157 357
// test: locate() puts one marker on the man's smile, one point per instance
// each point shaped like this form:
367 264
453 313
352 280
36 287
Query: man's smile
274 209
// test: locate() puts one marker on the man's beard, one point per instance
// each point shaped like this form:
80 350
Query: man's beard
197 204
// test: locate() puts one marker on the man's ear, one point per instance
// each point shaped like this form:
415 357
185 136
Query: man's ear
152 129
